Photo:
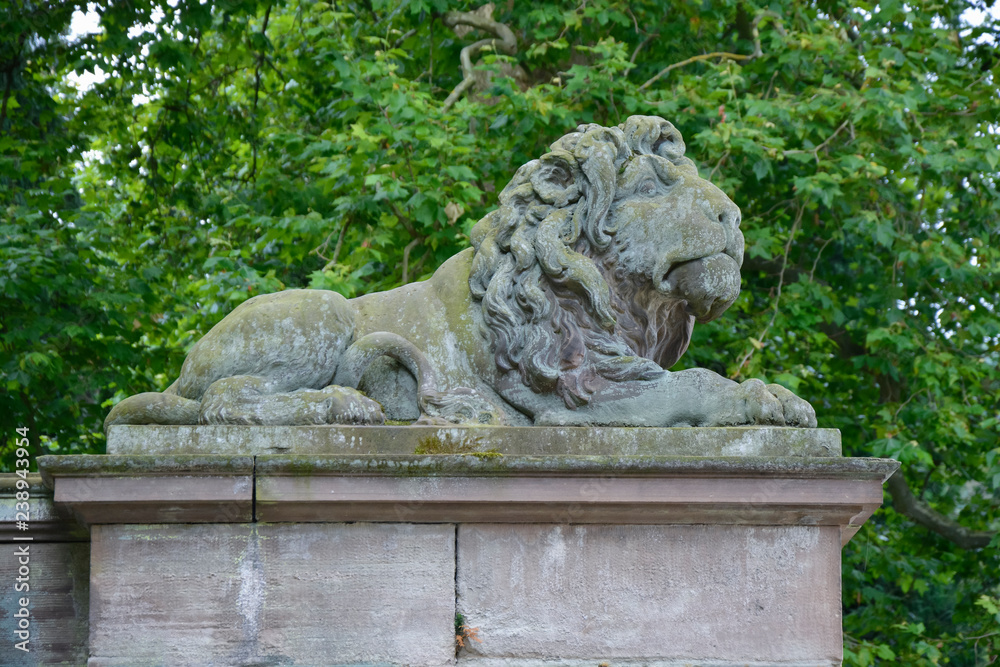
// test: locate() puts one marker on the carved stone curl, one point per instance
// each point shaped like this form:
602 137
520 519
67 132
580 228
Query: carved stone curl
579 291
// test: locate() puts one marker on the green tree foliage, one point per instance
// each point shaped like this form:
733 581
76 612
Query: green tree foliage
66 308
245 147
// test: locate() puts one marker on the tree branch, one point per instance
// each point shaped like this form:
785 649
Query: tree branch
9 87
507 44
777 296
692 59
815 151
923 514
6 96
643 43
406 258
757 51
405 221
256 91
336 249
406 36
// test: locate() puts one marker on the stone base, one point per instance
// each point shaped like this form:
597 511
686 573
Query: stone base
363 594
387 594
566 560
730 594
272 594
643 662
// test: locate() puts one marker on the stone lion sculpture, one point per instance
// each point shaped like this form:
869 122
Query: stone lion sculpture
579 292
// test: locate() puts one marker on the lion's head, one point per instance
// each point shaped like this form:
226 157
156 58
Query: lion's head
602 255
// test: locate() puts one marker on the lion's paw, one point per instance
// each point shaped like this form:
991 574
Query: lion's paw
796 411
771 404
350 406
754 404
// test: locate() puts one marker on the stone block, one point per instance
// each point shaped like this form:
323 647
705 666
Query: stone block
127 440
364 593
57 578
256 594
571 489
728 595
147 489
58 581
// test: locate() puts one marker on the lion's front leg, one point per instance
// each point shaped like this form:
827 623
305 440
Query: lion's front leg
694 397
704 398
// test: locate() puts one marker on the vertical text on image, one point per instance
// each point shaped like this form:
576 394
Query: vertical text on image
22 552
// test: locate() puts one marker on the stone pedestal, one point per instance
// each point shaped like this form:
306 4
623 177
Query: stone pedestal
215 545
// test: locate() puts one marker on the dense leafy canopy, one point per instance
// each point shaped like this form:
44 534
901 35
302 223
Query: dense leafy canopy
244 147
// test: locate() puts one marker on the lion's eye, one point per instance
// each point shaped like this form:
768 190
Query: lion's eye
647 187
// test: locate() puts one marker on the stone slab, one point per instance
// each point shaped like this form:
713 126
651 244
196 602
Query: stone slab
193 499
509 440
58 582
658 595
472 661
497 465
138 489
241 594
570 489
567 500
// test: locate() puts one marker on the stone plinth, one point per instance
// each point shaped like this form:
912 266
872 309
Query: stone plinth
610 548
509 440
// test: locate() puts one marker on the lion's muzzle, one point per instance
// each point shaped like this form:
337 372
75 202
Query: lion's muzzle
709 285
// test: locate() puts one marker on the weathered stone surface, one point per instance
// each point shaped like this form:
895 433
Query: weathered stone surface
571 489
48 522
240 594
57 579
359 593
567 559
655 594
476 661
493 465
137 489
114 466
578 293
479 487
509 440
59 582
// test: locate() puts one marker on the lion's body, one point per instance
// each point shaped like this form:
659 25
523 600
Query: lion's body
578 293
440 317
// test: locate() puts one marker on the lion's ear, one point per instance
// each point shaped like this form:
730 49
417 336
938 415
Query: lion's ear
556 180
652 135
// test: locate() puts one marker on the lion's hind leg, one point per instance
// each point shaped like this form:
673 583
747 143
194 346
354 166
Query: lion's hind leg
248 399
458 405
153 407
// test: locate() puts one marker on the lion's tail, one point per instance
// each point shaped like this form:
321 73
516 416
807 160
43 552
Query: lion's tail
457 406
154 407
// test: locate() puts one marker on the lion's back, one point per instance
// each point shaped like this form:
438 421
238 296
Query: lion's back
295 337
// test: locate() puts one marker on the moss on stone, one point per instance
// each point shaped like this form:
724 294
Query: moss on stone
446 443
486 464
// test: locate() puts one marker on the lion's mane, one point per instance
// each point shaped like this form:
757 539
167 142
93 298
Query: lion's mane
555 304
